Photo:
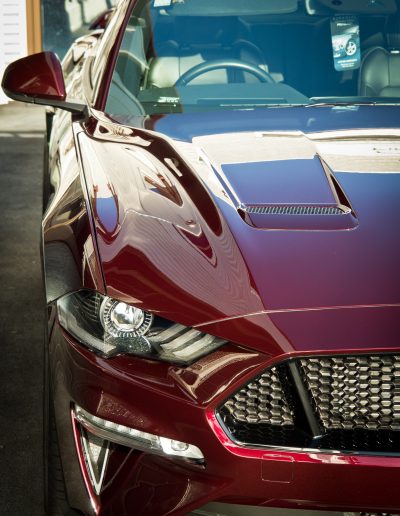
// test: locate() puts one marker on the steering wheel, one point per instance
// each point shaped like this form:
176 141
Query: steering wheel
217 64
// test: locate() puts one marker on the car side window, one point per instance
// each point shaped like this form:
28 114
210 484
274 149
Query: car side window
130 67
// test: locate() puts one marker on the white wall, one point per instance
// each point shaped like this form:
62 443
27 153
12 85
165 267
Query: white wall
13 35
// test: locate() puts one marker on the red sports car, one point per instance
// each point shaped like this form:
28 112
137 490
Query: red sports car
221 254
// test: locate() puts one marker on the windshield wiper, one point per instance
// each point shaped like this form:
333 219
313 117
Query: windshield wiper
354 102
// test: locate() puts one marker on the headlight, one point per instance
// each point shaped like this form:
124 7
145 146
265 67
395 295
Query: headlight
111 327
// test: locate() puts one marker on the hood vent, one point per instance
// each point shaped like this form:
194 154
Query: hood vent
296 194
298 216
297 209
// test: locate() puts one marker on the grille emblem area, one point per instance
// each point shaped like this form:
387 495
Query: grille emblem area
327 403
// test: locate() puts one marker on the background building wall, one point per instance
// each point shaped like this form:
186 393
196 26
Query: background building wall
13 34
29 26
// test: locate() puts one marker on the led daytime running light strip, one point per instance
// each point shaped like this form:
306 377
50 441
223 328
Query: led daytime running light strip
137 439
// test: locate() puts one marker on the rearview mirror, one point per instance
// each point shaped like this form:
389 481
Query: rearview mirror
39 79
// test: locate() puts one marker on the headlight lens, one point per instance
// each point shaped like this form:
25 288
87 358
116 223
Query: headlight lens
111 327
122 320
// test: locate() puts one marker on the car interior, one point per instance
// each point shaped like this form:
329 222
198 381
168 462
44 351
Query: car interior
185 55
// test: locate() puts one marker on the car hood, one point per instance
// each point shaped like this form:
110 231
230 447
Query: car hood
279 237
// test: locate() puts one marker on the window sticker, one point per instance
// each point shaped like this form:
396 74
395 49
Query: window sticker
168 100
162 3
346 42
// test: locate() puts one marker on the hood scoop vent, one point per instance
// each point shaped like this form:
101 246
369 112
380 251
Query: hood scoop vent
300 194
298 217
296 210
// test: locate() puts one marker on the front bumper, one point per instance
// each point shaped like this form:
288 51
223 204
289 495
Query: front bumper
180 403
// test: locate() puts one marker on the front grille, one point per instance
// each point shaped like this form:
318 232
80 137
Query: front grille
345 403
355 392
262 401
294 209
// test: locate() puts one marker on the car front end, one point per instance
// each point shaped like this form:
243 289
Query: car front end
236 356
301 431
221 258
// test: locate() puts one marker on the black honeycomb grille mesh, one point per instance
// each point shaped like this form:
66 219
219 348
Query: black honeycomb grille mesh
359 392
345 403
261 401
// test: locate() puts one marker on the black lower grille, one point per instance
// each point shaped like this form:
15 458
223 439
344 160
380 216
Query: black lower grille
371 441
344 403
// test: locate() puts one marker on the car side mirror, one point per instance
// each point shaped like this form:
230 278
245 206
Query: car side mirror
39 79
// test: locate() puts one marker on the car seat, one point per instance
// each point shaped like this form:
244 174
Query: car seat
198 42
380 70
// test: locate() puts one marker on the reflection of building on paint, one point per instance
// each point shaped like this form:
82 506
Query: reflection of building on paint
65 20
105 206
13 35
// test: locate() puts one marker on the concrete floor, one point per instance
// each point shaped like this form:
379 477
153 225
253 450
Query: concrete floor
21 311
22 320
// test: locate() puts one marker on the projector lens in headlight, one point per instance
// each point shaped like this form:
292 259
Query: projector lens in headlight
112 327
122 320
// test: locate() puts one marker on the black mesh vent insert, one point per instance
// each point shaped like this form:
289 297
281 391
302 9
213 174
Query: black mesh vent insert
295 209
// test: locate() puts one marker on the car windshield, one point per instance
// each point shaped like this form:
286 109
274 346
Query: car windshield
196 55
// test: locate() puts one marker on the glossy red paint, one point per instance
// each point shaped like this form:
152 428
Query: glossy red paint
146 197
317 330
93 499
233 474
186 207
188 213
151 215
70 254
38 76
181 218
